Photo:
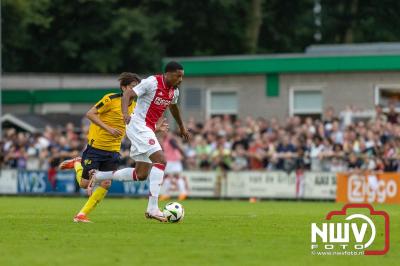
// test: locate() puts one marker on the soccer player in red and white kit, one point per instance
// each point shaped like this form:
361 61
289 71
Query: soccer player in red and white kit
154 95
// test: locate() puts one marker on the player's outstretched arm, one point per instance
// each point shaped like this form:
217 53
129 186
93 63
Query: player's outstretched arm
176 113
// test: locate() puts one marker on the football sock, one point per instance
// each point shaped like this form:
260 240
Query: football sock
152 204
93 200
125 174
155 179
78 170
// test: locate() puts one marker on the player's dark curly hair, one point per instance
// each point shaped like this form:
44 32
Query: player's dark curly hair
172 67
127 78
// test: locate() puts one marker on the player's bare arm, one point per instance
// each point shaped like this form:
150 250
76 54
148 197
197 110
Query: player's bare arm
176 113
126 100
93 116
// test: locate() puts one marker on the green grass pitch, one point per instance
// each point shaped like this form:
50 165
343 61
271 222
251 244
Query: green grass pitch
40 231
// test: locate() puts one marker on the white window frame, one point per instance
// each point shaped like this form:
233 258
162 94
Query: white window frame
293 89
379 87
209 112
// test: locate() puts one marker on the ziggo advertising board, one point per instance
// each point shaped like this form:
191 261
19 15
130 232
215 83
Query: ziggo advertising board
368 188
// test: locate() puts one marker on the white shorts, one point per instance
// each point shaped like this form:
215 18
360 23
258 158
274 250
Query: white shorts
143 142
173 167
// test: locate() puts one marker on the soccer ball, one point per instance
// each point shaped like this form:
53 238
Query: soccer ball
174 212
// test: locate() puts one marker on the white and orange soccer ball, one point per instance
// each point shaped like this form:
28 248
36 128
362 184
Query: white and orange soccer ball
174 212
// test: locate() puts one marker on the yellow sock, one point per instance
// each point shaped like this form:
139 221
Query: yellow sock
93 200
78 169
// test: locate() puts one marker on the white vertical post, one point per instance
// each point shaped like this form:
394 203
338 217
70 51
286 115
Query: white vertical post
1 81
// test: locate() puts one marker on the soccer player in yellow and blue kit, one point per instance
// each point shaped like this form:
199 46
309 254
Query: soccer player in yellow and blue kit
105 135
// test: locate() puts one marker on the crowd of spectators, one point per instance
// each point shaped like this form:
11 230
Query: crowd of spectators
334 143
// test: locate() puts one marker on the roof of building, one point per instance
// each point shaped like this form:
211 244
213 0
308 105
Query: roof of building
317 58
354 48
37 123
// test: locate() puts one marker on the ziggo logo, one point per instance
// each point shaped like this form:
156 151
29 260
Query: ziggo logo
368 188
161 101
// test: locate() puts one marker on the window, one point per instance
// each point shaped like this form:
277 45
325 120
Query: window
387 94
193 98
222 103
305 102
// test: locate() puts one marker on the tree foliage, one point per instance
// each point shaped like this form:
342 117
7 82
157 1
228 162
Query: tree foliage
134 35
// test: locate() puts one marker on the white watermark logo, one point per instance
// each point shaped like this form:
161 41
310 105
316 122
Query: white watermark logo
350 234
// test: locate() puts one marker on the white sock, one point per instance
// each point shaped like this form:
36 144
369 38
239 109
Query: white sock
152 204
155 179
102 175
125 174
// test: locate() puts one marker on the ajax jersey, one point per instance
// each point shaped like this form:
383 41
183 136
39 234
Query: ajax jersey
154 97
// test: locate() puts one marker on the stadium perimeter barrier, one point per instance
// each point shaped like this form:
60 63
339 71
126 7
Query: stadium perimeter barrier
298 185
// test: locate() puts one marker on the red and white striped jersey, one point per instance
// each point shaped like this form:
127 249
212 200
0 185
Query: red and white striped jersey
154 97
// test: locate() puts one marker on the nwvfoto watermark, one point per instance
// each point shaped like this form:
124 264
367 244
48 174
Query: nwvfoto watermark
351 234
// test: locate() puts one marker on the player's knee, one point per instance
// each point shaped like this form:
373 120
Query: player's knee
161 160
106 184
158 158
